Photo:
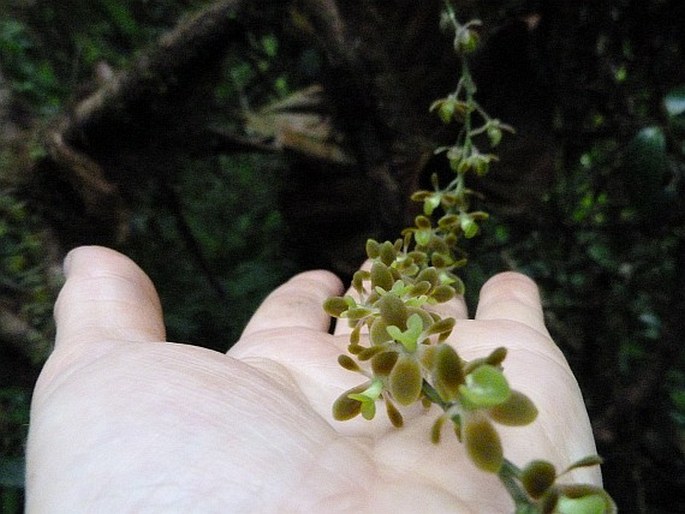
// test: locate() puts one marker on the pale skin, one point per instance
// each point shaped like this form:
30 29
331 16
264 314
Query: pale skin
122 421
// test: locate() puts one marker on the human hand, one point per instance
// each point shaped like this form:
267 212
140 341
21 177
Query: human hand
123 422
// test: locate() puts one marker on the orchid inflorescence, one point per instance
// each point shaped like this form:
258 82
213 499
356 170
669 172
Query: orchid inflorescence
400 345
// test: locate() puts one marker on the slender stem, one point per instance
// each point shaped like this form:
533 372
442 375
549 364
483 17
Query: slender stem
508 475
432 395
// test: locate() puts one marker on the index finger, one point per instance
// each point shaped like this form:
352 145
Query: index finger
106 297
296 304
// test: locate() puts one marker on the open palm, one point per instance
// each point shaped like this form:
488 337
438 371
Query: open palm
124 422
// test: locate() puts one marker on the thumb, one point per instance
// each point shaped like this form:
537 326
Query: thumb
106 297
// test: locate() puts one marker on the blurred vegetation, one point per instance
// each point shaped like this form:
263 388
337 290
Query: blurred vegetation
605 239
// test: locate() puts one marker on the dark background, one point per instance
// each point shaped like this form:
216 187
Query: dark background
227 145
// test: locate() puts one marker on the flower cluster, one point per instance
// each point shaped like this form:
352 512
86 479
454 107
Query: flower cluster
407 358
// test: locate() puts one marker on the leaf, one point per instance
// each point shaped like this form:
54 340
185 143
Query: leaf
497 356
429 274
420 288
358 279
591 504
423 237
469 226
367 398
357 313
387 253
355 336
430 204
368 353
368 409
485 387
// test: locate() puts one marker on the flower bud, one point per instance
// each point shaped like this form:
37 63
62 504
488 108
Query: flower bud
436 429
393 310
372 248
537 477
335 306
344 407
494 134
387 253
482 442
348 363
381 276
405 380
448 373
517 410
466 41
394 415
383 363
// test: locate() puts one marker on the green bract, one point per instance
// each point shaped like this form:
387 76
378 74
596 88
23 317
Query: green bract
593 504
410 337
485 387
583 499
367 398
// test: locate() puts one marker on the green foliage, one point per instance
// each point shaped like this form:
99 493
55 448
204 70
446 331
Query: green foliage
47 65
27 294
14 417
232 216
26 273
30 76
